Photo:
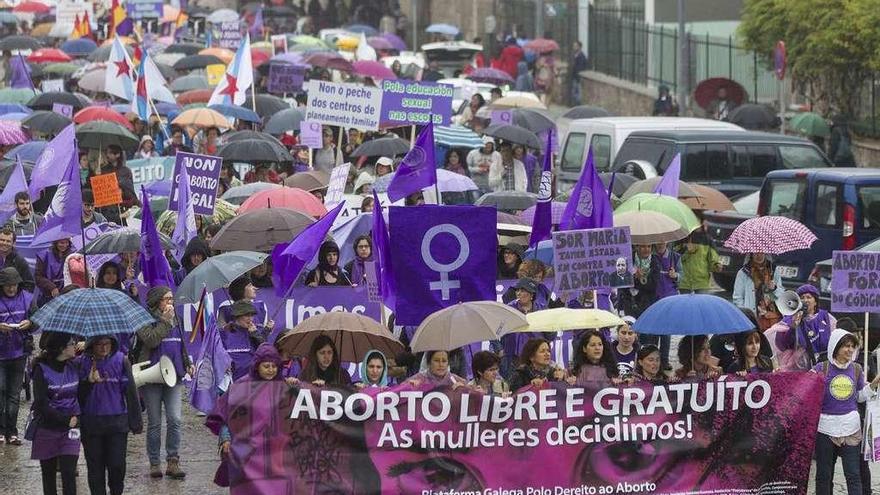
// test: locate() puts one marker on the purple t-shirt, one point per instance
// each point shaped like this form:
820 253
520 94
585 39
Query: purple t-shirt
841 388
626 363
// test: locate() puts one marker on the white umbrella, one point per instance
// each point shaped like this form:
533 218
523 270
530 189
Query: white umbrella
223 15
92 81
466 323
563 319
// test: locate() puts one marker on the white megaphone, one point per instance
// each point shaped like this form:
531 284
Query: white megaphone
161 372
789 303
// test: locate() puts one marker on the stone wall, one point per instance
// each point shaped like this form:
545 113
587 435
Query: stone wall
866 151
620 97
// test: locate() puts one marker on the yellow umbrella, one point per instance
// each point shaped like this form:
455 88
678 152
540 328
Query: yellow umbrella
517 102
347 43
562 319
202 117
42 29
222 53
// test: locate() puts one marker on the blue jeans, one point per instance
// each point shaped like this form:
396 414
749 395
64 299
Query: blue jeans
826 457
155 395
11 380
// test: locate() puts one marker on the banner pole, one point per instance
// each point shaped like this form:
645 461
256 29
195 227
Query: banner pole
82 231
866 348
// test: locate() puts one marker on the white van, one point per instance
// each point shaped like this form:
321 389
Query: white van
606 136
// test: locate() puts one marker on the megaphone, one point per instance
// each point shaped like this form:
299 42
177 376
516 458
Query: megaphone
161 372
789 303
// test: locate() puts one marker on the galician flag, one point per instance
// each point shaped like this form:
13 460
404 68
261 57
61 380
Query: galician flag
117 77
238 79
63 220
140 103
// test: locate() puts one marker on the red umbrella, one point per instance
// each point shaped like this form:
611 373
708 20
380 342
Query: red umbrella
541 45
491 76
707 91
48 55
89 114
770 235
286 197
328 61
259 57
31 7
195 96
370 68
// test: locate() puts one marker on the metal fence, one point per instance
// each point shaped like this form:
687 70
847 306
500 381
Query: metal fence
622 45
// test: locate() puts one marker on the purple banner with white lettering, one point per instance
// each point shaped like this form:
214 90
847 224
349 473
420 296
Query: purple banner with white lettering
592 259
285 78
415 103
442 255
204 174
855 281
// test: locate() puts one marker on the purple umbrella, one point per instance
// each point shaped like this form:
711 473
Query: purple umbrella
294 58
380 43
329 61
491 76
11 133
396 42
370 68
770 235
556 209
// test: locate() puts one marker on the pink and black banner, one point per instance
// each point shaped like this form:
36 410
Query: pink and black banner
750 434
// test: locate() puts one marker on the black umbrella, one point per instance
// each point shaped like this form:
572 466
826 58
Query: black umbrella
46 122
754 117
622 182
166 70
284 121
508 200
192 62
249 134
184 48
267 105
98 134
254 150
102 53
189 83
124 240
8 167
386 146
532 119
514 134
260 230
18 42
44 101
586 112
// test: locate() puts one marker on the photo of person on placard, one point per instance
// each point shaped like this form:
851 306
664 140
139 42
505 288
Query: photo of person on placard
622 276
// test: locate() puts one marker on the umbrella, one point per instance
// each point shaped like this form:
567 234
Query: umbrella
195 96
31 7
457 137
586 112
447 29
381 43
46 122
249 134
15 116
396 41
44 55
254 150
63 69
285 121
261 230
491 76
267 105
707 91
709 199
11 133
217 272
8 18
238 194
237 112
556 210
311 180
541 45
92 312
192 62
386 146
649 227
9 168
692 314
564 319
124 240
7 108
184 48
754 117
465 323
306 40
285 197
168 58
222 15
535 120
167 219
504 218
45 101
329 61
810 124
17 95
223 54
29 152
446 182
514 134
770 235
92 81
666 205
508 200
622 182
373 69
352 334
18 42
99 134
90 114
362 28
648 185
202 117
165 108
102 53
79 47
516 101
189 83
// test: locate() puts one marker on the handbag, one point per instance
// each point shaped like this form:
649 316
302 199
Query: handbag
30 428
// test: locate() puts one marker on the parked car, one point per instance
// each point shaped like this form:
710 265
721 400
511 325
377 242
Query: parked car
840 205
451 55
730 161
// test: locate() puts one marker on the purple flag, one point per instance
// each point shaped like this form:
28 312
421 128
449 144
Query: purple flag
289 259
382 255
418 169
542 222
589 206
63 219
21 74
16 183
442 255
58 153
668 185
210 368
256 29
154 265
185 229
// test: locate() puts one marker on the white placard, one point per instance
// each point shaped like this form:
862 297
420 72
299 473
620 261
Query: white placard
343 104
336 188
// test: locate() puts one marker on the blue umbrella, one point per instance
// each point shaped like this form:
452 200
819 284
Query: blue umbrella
7 108
237 112
447 29
92 312
164 108
79 47
692 314
457 137
29 152
543 252
15 116
8 18
362 28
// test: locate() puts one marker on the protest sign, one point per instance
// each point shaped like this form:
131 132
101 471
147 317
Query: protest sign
204 174
336 188
588 259
62 109
855 281
503 117
144 171
228 35
343 104
415 103
144 9
442 255
66 13
106 189
214 73
618 440
279 43
310 134
52 85
285 78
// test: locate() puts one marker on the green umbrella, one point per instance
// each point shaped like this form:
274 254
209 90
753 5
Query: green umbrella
16 95
98 134
810 124
667 205
303 39
60 68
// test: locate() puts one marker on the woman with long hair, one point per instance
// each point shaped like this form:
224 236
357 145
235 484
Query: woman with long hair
593 362
756 287
363 253
536 366
323 366
328 271
648 366
749 357
696 358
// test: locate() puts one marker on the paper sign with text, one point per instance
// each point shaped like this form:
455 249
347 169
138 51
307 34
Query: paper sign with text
106 189
204 175
343 104
338 178
310 134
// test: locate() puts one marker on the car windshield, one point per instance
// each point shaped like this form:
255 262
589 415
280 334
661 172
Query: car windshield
786 198
747 203
802 157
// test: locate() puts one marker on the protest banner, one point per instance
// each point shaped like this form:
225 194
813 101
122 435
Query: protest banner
683 438
855 281
106 189
214 73
62 109
442 255
343 104
143 9
285 78
310 134
144 171
588 259
279 44
416 103
228 35
52 85
204 174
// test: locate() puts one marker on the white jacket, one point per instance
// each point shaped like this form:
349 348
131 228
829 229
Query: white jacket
520 179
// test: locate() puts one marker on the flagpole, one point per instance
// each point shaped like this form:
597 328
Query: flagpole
156 111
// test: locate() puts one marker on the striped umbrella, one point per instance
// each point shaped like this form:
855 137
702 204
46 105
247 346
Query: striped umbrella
457 137
12 133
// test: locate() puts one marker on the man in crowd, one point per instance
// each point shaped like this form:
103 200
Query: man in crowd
10 258
481 160
25 221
